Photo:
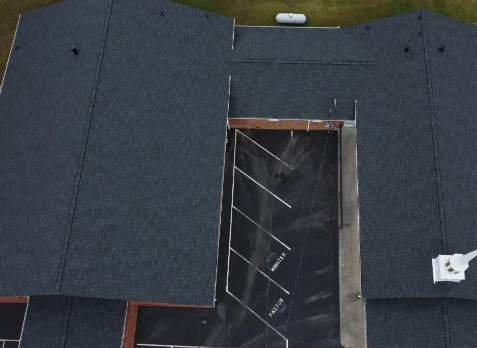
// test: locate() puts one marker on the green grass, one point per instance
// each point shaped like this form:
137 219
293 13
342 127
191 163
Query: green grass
262 12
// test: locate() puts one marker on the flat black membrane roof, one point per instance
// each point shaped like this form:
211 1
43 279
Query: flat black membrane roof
278 261
11 323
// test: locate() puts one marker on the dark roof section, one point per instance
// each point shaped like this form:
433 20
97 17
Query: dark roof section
103 157
416 155
454 81
418 323
398 198
462 321
43 110
296 73
300 44
65 322
148 211
410 323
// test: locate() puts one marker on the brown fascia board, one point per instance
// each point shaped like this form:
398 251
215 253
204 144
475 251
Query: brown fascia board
14 299
284 124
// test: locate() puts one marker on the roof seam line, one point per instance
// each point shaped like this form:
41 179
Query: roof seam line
445 316
449 337
66 320
435 142
79 171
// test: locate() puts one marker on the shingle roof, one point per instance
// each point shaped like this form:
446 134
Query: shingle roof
109 187
418 323
406 168
454 81
65 322
43 107
296 73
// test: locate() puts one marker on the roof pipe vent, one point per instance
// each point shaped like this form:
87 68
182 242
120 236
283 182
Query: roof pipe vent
406 48
74 50
442 48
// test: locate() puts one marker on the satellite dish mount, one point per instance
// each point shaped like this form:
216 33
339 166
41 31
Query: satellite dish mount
451 268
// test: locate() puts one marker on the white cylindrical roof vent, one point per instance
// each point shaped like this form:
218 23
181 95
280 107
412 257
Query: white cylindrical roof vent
291 18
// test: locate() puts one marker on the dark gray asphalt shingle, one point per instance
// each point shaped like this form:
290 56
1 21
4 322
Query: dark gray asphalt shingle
65 322
398 198
410 323
462 319
454 82
109 188
152 178
43 109
295 73
418 323
416 162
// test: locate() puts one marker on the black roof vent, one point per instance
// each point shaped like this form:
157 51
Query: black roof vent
442 48
406 48
74 50
367 27
162 14
207 16
420 16
419 34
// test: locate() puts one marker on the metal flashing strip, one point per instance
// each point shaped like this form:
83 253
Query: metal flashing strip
233 35
220 215
11 50
231 212
228 101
